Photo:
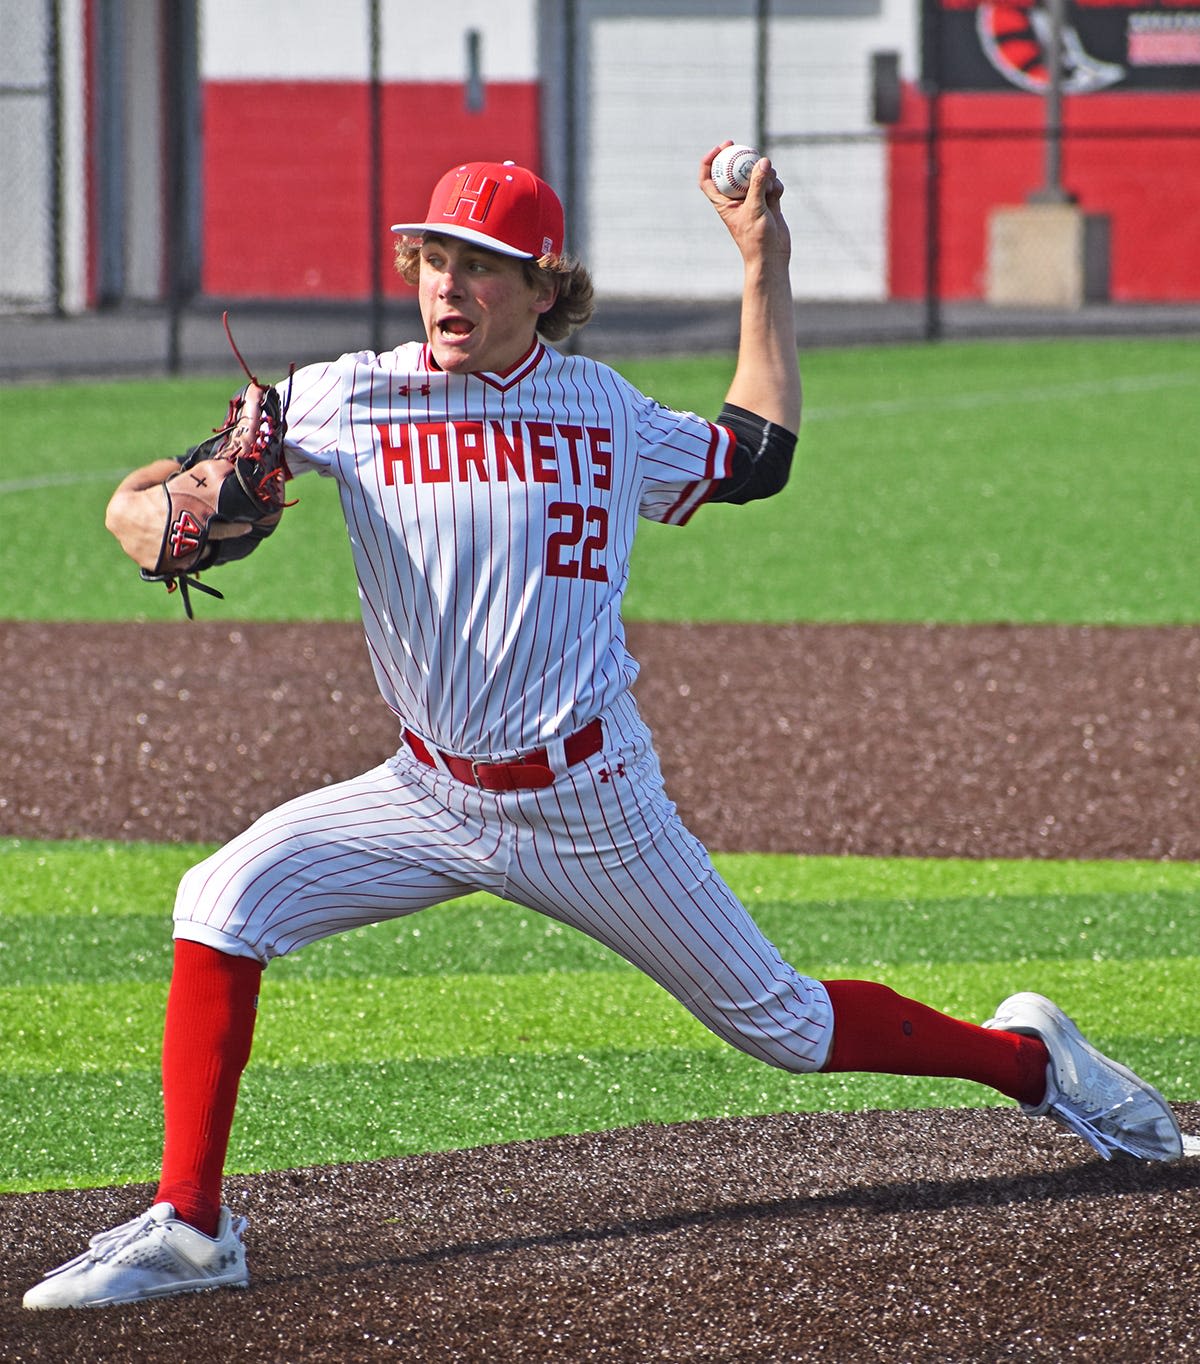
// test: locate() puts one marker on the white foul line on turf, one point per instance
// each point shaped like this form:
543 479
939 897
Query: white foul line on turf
943 402
27 485
1017 396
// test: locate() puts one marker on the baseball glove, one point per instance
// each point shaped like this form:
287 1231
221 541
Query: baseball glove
235 478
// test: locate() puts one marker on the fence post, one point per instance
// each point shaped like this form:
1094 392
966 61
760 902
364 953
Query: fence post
375 179
180 62
931 61
1052 191
933 218
761 39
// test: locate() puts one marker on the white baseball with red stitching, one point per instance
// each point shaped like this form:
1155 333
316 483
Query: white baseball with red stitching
731 170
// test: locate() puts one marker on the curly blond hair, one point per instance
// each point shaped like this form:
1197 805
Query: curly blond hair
575 299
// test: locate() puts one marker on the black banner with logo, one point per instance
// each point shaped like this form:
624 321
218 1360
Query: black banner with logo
1106 45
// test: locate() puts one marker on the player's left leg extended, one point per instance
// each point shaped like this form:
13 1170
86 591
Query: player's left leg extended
612 858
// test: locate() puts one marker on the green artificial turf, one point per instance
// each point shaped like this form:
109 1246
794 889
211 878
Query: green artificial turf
480 1022
1043 481
1048 481
978 481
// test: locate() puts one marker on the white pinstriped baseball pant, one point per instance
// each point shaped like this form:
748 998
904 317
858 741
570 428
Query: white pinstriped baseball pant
602 849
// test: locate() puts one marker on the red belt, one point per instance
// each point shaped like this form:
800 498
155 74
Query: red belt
528 772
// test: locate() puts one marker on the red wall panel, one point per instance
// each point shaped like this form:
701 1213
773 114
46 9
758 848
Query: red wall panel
1138 162
293 222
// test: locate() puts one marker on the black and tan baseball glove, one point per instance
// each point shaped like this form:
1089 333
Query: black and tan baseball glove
226 497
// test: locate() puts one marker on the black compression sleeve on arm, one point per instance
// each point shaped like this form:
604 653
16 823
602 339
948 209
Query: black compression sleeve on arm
762 457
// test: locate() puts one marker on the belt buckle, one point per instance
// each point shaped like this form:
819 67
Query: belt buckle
476 764
493 776
515 775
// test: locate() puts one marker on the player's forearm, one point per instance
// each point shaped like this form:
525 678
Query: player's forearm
148 476
136 510
135 513
767 378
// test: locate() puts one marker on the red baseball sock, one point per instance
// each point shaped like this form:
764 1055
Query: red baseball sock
206 1044
876 1029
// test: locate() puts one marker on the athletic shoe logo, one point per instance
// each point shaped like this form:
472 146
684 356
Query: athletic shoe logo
471 197
1016 40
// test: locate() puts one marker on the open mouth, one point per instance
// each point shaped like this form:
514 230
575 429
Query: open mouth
455 326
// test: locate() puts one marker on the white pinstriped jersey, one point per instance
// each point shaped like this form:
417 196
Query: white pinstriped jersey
491 519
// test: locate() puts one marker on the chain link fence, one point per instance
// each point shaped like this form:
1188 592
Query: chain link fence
30 207
929 218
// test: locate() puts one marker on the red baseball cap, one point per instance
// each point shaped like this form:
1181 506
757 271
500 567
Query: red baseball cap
495 204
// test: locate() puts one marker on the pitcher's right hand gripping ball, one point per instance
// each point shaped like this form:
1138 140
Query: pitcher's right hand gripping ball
732 168
234 479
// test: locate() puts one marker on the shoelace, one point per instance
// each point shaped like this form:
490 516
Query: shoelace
108 1243
1089 1127
1082 1127
182 583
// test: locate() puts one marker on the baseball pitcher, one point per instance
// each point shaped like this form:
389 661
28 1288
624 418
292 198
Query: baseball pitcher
491 487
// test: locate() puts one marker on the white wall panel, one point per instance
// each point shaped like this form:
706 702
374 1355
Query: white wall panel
25 203
74 155
655 105
316 40
661 84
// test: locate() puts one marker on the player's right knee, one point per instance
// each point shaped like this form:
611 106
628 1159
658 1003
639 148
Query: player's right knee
214 908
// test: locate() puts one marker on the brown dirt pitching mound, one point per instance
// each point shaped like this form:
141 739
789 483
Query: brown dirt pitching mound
950 1236
997 741
959 1236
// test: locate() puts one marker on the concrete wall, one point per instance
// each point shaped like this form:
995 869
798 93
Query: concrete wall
1146 183
311 235
614 100
649 88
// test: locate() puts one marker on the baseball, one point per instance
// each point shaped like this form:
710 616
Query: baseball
731 170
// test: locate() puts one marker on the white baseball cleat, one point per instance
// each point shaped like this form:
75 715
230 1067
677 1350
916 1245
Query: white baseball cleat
1100 1100
153 1256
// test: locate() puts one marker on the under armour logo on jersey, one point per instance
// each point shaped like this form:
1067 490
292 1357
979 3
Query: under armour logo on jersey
406 390
185 534
471 197
608 773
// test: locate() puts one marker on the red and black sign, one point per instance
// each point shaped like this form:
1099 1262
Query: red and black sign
1106 45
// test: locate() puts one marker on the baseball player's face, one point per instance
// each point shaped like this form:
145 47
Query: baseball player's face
480 312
